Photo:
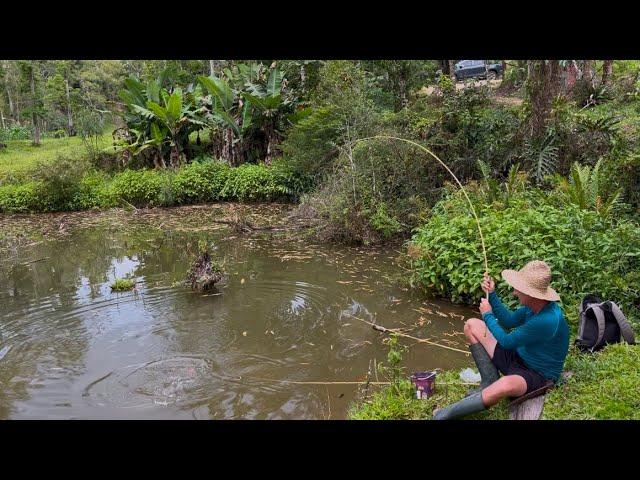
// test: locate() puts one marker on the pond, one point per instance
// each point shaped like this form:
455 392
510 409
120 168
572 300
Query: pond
289 315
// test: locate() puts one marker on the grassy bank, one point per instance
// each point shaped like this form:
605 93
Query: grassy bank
20 157
602 386
589 251
68 185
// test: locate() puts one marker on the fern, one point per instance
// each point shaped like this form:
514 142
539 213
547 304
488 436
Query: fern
608 126
515 182
543 155
588 189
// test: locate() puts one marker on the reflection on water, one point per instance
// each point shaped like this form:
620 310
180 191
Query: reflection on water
72 349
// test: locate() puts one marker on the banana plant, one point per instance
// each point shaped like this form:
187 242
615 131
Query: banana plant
249 107
158 120
171 122
228 112
272 109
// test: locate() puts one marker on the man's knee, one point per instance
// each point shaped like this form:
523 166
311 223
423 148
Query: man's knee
472 326
514 385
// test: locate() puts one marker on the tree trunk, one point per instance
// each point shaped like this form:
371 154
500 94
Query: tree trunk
452 70
11 108
34 115
571 76
2 117
588 71
212 67
174 156
504 67
272 141
607 71
303 77
543 85
70 128
401 98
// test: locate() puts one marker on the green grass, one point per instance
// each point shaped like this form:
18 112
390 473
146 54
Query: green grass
628 113
21 156
604 385
123 284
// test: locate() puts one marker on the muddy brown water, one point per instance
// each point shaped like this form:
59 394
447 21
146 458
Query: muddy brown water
72 349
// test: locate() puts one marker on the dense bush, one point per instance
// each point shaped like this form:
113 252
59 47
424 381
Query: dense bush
16 132
140 187
200 182
60 181
588 254
250 182
68 186
311 144
21 198
378 190
94 191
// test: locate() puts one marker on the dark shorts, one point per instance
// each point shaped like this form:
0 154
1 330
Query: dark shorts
510 363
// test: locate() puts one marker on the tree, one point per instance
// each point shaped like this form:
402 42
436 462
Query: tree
607 72
31 83
401 77
543 86
452 69
11 82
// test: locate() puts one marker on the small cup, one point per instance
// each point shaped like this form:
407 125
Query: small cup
425 383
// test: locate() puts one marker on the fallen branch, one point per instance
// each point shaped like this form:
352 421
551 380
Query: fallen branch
246 225
382 329
35 261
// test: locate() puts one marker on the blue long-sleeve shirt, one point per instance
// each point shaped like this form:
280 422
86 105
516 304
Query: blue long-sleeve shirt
541 340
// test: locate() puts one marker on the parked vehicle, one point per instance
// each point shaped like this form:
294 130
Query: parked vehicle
477 69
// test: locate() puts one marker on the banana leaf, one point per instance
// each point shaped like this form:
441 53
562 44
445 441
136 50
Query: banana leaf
274 84
158 111
218 88
174 106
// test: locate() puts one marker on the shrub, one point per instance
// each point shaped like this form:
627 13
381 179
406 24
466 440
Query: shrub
94 191
140 187
311 144
69 185
586 253
60 181
383 188
21 198
16 132
251 182
200 182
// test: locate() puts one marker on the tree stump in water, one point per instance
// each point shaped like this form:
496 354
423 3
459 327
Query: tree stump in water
203 274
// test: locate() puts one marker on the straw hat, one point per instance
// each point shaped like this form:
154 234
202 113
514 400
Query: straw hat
533 279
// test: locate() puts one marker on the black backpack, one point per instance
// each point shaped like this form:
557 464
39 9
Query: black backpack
601 323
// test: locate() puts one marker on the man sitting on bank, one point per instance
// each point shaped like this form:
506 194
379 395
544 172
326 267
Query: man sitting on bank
532 352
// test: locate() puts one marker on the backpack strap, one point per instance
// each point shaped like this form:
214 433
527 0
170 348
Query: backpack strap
625 328
597 310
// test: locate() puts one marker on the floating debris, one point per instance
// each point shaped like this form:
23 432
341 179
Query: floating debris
4 351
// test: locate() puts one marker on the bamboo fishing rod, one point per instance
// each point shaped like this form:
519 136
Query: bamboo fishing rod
420 340
453 175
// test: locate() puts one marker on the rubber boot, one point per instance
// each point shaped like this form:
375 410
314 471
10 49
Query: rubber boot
488 371
466 406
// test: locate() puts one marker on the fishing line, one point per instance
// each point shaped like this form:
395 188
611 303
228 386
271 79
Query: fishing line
446 167
473 210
